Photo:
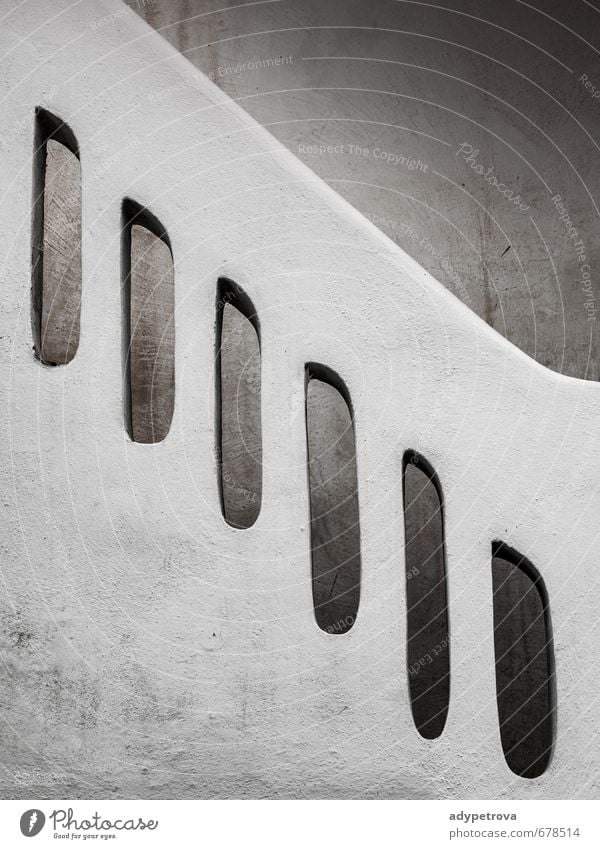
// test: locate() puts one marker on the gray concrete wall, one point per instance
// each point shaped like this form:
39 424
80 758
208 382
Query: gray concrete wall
377 81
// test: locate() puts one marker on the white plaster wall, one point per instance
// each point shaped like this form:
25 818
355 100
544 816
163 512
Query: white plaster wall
149 649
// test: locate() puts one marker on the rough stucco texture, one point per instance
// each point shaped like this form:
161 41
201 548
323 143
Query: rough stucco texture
149 649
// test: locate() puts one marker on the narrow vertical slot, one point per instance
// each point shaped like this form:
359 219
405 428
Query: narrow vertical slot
56 242
428 637
524 662
334 510
238 390
149 325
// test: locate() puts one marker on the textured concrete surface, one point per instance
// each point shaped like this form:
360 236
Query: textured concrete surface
378 97
149 648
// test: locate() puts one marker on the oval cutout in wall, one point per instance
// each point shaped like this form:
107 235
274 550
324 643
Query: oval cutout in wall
149 325
334 510
56 266
428 636
525 683
238 404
